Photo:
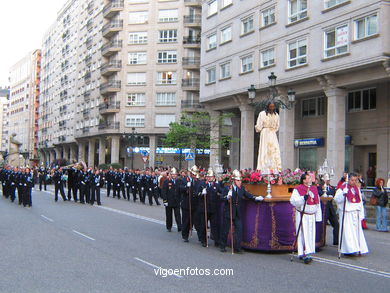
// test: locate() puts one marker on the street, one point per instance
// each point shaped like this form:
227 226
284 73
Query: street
118 247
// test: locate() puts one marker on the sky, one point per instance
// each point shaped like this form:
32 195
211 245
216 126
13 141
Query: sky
22 26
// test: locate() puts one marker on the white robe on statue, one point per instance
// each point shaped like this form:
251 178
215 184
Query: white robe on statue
269 151
307 234
353 236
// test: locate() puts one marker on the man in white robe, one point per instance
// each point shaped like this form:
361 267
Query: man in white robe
353 240
310 214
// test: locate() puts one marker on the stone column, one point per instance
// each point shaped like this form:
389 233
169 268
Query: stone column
215 147
66 153
72 153
102 151
335 136
81 146
234 158
115 143
91 153
247 136
382 151
286 138
58 153
152 154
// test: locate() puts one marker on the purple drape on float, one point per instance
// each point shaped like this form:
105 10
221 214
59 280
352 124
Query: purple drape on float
270 226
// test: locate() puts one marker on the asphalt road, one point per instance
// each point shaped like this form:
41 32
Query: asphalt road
69 247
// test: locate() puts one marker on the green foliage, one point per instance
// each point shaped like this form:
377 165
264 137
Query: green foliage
116 165
104 166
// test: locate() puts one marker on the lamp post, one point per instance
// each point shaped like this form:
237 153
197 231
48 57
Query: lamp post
131 137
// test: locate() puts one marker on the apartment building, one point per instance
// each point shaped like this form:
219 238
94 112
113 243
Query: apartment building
4 96
334 54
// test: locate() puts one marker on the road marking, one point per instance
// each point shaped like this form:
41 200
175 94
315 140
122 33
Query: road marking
154 266
134 215
352 267
81 234
46 218
384 243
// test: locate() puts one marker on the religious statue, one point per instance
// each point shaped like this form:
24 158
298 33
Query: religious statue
14 151
269 152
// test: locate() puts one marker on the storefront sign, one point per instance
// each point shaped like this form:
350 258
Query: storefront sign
175 151
309 142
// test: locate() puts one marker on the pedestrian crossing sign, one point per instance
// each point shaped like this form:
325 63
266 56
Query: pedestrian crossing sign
190 156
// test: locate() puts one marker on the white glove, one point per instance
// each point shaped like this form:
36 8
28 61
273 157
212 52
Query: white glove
188 184
345 190
165 204
259 198
127 184
142 188
230 193
150 189
204 191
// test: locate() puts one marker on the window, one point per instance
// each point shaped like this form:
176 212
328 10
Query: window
163 120
135 120
137 17
137 57
166 77
168 36
362 100
313 107
268 16
226 34
168 15
136 99
366 27
166 99
336 41
247 64
138 38
167 57
136 78
267 57
212 41
297 53
212 7
226 3
225 70
247 25
138 1
211 75
297 9
331 3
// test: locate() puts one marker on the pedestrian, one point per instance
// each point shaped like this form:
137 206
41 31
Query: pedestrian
97 183
351 213
307 205
171 193
27 201
380 194
58 183
42 173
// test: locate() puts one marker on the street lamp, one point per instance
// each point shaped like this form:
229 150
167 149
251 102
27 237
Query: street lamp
252 92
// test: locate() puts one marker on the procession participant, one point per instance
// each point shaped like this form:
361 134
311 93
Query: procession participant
189 203
211 197
330 213
58 183
155 189
3 179
307 204
20 181
342 180
42 178
128 182
351 212
97 183
171 193
84 190
12 183
109 181
27 201
122 183
232 197
72 183
137 185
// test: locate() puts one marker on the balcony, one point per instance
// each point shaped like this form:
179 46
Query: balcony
110 67
193 20
87 76
190 84
86 112
87 93
88 59
110 87
191 42
109 108
111 28
193 3
113 8
191 62
85 130
191 105
111 48
88 42
109 126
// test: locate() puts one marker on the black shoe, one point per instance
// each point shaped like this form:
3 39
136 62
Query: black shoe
204 244
99 204
216 244
158 204
307 260
179 230
185 240
223 249
169 230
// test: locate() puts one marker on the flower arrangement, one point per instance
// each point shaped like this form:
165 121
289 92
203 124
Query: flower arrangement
256 177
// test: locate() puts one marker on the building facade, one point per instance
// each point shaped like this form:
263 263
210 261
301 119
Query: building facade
4 97
23 103
334 54
135 68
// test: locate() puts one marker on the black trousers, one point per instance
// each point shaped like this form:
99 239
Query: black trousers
5 190
72 188
153 194
134 191
27 197
128 188
142 194
237 232
186 225
60 188
214 227
169 213
12 189
333 219
20 193
109 186
95 195
42 180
